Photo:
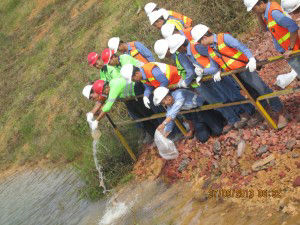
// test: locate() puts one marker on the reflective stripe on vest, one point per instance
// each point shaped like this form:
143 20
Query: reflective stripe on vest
187 21
202 60
181 70
136 54
227 63
128 90
177 24
281 34
171 74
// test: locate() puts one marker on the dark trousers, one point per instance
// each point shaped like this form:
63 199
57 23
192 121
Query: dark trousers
137 110
207 123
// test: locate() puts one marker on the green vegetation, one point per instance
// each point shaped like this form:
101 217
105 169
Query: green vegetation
44 45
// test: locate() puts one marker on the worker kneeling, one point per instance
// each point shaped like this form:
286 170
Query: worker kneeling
202 124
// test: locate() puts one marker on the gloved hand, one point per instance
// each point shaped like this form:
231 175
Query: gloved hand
198 79
146 102
89 117
94 124
181 84
217 76
198 70
251 64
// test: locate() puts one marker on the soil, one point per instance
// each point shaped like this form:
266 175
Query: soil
273 181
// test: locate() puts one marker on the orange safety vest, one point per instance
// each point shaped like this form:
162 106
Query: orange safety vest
136 54
281 34
235 60
187 33
186 20
202 60
171 74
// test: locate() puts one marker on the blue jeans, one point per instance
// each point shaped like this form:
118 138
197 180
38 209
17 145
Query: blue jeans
207 123
295 64
229 87
257 85
210 93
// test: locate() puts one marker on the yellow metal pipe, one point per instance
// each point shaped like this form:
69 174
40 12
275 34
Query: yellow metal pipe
256 104
121 138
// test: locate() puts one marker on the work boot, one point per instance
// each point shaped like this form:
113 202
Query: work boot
282 121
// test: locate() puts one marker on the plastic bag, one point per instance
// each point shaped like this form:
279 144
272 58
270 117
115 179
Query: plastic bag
166 147
285 79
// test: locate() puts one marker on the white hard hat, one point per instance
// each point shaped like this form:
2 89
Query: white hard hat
290 5
165 13
113 43
161 48
167 30
175 42
126 72
87 91
159 94
199 31
154 16
149 7
250 4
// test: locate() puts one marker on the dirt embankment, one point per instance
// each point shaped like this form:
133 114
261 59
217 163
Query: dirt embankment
257 165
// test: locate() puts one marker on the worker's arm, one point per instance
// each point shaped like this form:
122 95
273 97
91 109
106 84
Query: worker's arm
160 77
188 67
96 108
148 90
144 51
173 110
234 43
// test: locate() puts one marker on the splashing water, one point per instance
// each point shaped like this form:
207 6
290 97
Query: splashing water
96 134
114 213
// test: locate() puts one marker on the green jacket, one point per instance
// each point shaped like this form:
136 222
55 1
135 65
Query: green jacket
107 73
127 59
118 88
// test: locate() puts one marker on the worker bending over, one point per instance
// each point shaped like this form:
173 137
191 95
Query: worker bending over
204 124
117 88
107 72
135 49
152 75
151 6
284 30
157 19
230 54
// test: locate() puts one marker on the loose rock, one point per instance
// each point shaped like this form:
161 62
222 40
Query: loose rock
295 155
263 163
217 147
241 148
297 182
263 149
183 164
290 144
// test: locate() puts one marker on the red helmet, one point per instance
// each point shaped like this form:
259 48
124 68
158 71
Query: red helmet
92 58
98 86
106 55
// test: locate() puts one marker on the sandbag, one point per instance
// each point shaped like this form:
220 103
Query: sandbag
166 147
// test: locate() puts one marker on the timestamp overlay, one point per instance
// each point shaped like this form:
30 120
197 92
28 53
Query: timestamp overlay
244 193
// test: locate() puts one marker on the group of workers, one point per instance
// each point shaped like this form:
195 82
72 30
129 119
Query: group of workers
196 52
